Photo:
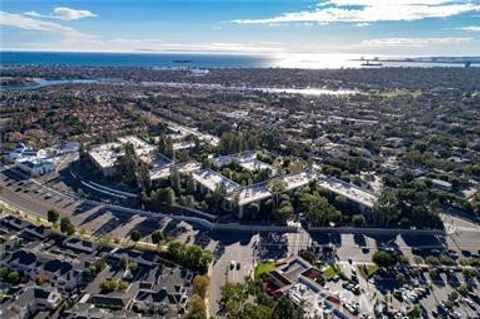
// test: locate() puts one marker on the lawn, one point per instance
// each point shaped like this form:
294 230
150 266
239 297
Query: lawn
330 271
264 268
367 270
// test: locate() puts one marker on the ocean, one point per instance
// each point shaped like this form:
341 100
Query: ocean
192 60
134 59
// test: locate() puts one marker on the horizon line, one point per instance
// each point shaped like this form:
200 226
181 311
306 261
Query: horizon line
3 50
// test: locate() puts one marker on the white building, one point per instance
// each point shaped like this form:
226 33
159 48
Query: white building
35 166
442 184
362 198
209 181
21 151
260 191
142 148
105 157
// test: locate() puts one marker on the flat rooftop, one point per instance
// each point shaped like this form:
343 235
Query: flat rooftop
183 145
141 147
347 190
256 192
106 155
212 180
183 168
183 131
239 157
256 165
159 161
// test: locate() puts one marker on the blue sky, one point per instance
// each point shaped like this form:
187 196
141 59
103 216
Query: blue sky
413 27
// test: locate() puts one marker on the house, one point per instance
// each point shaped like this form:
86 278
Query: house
88 311
37 231
171 302
30 301
140 257
79 244
14 222
116 302
61 274
296 278
163 288
21 260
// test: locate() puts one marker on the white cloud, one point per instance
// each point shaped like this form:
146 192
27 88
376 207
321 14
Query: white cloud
473 28
368 11
63 13
414 42
71 38
30 24
218 47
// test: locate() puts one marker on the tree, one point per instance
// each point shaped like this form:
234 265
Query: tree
231 300
276 187
169 196
66 226
284 211
384 258
190 201
83 154
13 277
253 210
108 285
286 309
143 177
200 285
414 313
318 211
308 255
432 260
52 215
190 184
157 236
135 235
127 165
218 194
165 146
358 221
4 271
385 210
197 308
164 196
127 264
470 273
463 289
190 256
122 285
175 179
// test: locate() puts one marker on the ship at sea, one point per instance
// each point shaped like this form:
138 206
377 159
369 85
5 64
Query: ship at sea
368 63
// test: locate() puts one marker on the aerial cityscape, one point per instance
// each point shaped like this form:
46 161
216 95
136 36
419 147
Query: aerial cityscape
240 159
